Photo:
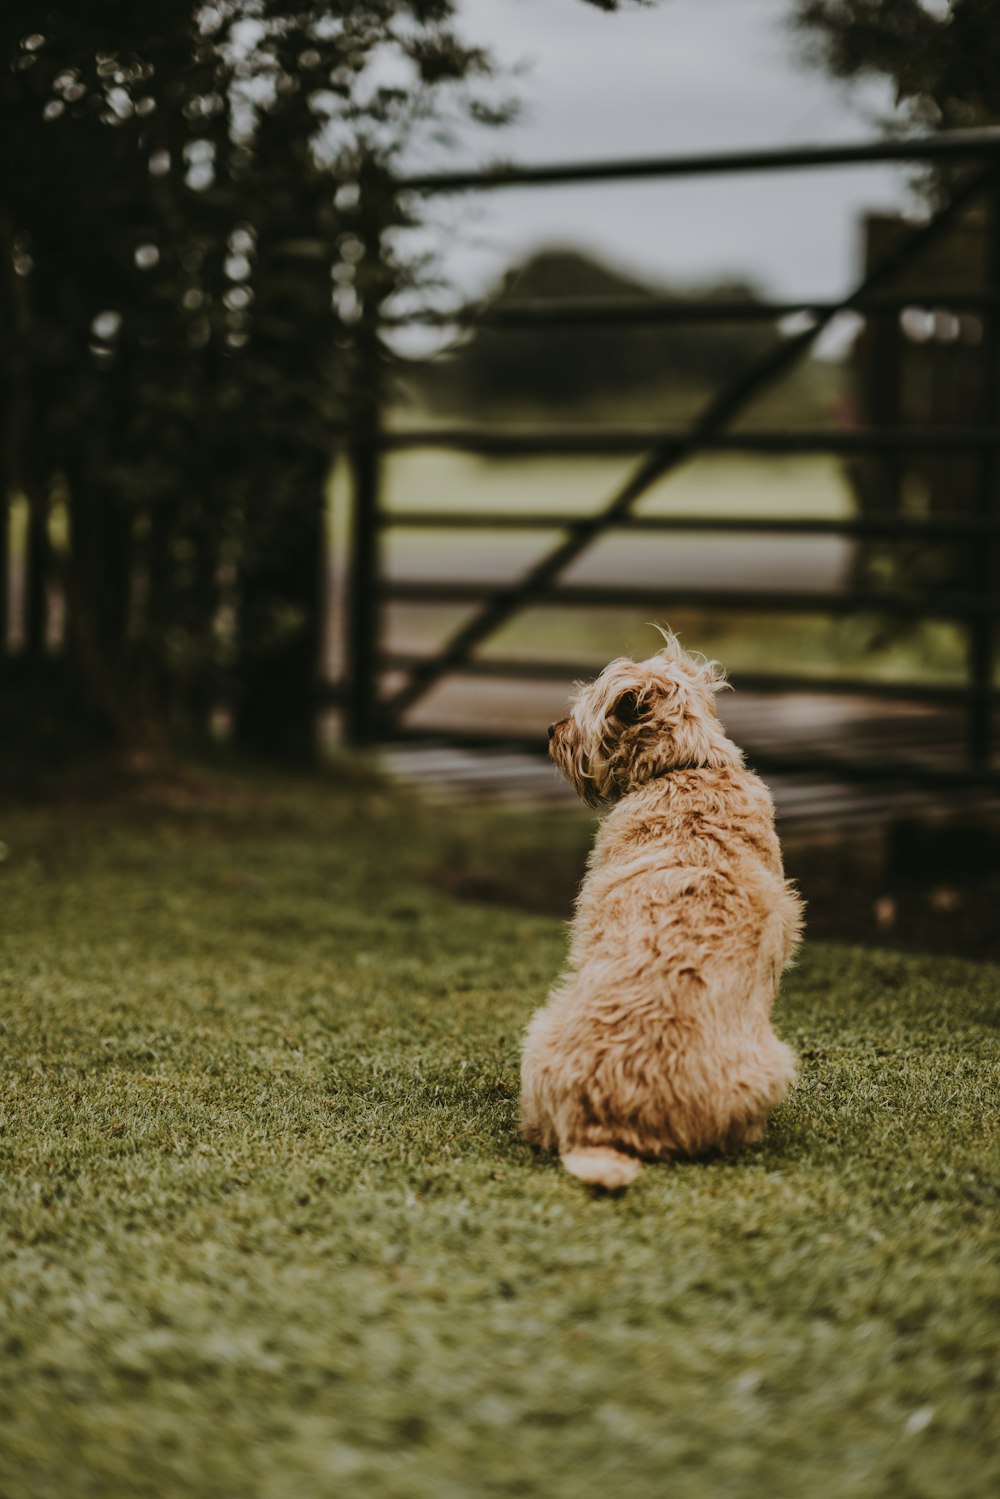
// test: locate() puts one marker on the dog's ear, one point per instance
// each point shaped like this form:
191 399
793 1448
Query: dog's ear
627 708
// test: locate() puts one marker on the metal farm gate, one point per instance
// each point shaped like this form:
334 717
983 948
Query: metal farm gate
970 163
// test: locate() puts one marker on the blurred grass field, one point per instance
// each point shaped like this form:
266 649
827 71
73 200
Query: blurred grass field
774 641
269 1229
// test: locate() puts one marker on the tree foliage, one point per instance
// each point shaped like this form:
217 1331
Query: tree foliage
943 59
185 259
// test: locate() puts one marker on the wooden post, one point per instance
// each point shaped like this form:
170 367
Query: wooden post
362 597
361 719
982 630
4 562
36 573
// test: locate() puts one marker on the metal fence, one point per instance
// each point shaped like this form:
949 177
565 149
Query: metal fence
970 162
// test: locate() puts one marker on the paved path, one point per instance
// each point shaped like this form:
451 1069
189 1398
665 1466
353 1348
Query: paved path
854 729
815 563
807 806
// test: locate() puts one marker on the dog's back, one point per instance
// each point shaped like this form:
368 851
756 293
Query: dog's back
657 1041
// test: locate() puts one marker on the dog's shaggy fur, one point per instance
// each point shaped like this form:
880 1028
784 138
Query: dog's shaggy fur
658 1041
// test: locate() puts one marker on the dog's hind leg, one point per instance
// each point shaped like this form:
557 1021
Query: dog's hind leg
602 1166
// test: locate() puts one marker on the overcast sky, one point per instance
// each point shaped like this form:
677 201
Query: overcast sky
682 76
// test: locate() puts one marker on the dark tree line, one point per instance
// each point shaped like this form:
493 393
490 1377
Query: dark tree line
943 60
569 367
186 211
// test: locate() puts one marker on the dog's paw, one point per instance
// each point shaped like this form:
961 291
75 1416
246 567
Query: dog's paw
601 1166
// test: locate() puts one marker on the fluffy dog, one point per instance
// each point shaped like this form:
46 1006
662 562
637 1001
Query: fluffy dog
657 1041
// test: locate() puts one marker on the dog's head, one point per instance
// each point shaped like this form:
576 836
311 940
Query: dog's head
639 720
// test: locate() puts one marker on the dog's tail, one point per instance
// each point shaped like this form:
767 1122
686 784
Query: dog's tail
602 1166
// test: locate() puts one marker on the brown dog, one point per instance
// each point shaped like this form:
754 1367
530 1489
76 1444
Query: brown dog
657 1041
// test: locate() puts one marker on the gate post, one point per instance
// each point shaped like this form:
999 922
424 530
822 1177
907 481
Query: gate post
4 561
982 630
362 590
361 717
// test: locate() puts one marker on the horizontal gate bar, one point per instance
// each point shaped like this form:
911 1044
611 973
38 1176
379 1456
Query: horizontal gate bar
935 606
611 441
897 526
956 145
751 682
571 311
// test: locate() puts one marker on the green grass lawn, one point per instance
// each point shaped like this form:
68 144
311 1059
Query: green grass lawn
267 1228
